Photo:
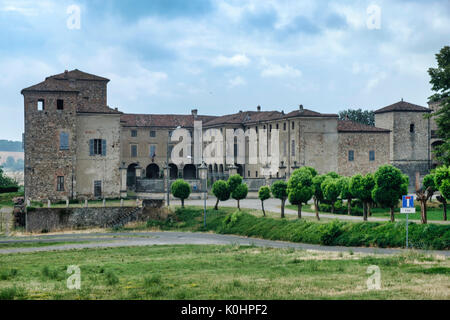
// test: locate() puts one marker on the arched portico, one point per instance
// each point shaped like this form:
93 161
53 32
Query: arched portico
131 175
152 171
189 171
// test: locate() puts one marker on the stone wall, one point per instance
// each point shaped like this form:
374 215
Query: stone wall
55 219
44 161
362 143
101 168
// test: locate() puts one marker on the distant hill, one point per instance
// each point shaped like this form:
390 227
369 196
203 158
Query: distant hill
14 146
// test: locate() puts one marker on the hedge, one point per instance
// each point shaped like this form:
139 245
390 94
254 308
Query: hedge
338 233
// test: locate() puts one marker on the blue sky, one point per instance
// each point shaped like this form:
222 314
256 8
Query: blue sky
170 56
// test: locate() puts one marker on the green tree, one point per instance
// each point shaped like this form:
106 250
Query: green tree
279 191
5 181
390 186
181 190
331 190
346 193
240 193
442 183
263 194
318 195
361 187
440 81
300 188
360 116
222 192
332 174
424 193
234 181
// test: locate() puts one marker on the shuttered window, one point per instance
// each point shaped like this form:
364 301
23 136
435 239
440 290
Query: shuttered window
97 147
63 141
351 155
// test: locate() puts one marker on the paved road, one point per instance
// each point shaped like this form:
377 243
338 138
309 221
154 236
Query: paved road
127 239
274 206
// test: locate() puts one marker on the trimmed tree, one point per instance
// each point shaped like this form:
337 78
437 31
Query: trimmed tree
222 192
279 191
346 193
390 186
361 187
442 183
331 190
300 189
181 190
318 194
263 194
239 193
424 194
234 181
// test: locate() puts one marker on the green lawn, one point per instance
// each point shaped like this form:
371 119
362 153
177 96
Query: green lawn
36 244
220 272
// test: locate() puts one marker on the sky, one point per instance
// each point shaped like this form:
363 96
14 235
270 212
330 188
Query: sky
222 56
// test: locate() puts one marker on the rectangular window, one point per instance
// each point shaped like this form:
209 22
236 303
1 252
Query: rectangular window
284 126
351 155
134 150
152 134
284 148
293 125
277 126
134 133
60 104
371 155
256 174
293 148
60 183
152 151
63 141
97 188
411 128
40 105
248 174
97 147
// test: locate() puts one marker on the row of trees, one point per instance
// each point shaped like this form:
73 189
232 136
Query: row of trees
385 187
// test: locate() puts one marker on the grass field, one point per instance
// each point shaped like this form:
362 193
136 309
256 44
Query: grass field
220 272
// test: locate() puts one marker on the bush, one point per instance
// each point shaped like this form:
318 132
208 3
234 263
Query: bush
181 189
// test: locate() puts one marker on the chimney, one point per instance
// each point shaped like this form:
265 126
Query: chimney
258 108
194 113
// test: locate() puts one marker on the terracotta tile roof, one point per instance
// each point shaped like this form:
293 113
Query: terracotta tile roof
161 120
309 113
350 126
97 109
403 106
78 75
245 117
52 85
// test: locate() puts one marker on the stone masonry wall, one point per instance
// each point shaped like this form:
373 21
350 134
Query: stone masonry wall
362 143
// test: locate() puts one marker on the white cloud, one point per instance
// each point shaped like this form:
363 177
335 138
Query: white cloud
375 81
237 81
276 70
238 60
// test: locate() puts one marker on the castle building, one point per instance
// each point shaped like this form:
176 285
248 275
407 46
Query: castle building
77 147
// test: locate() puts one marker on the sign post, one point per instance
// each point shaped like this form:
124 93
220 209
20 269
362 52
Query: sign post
407 207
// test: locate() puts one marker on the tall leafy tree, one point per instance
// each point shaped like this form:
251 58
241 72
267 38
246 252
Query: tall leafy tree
279 191
390 186
361 187
442 183
300 189
440 81
360 116
346 193
318 194
331 190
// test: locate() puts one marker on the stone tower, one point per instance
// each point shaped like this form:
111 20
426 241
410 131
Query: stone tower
409 138
50 139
